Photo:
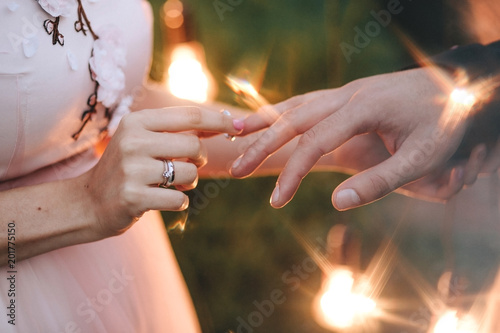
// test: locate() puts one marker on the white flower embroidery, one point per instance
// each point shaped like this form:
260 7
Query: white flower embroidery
122 109
106 63
57 7
13 6
30 46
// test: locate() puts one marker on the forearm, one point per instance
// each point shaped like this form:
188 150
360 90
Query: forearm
46 217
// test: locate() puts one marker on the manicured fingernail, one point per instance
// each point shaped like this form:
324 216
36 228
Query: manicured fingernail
238 124
276 195
346 199
236 163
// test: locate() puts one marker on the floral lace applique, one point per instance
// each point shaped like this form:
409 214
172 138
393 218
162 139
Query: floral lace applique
108 59
57 7
106 62
13 6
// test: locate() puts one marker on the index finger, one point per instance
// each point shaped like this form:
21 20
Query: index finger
268 114
313 144
179 119
291 123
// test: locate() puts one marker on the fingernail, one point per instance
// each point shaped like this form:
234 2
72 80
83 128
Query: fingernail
238 124
482 154
236 163
459 173
185 204
346 199
276 195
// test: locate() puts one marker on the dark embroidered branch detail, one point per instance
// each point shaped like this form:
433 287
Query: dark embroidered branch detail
83 23
87 114
52 28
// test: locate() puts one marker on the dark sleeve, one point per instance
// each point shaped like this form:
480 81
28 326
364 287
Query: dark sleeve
481 64
478 61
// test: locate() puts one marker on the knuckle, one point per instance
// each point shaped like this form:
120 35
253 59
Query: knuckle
309 138
194 115
266 139
288 116
258 153
129 196
309 142
287 123
130 120
380 185
195 146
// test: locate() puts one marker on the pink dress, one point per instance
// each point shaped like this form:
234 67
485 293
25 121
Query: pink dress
129 283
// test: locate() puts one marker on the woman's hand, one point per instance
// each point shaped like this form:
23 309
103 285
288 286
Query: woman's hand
124 183
413 116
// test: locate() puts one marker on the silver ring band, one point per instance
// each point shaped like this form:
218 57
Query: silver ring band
168 174
228 136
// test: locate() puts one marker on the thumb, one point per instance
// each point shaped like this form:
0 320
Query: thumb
376 182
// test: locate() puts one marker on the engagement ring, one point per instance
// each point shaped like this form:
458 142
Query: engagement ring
168 174
228 136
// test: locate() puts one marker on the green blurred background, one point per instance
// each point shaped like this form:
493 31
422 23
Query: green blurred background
237 249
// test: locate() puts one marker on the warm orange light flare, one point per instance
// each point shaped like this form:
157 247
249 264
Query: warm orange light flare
449 322
247 92
173 14
186 77
463 97
460 104
242 86
340 306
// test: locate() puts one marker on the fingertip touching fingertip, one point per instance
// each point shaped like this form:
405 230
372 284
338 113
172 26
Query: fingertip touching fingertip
238 124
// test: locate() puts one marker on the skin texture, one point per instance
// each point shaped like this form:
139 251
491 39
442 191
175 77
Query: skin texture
361 129
395 131
123 185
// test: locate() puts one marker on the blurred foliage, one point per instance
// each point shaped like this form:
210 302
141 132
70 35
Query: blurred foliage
236 250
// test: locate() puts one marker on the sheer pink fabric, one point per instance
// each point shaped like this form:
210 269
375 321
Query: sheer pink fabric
129 283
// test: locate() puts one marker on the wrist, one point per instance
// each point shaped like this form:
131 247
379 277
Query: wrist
48 216
84 213
474 69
